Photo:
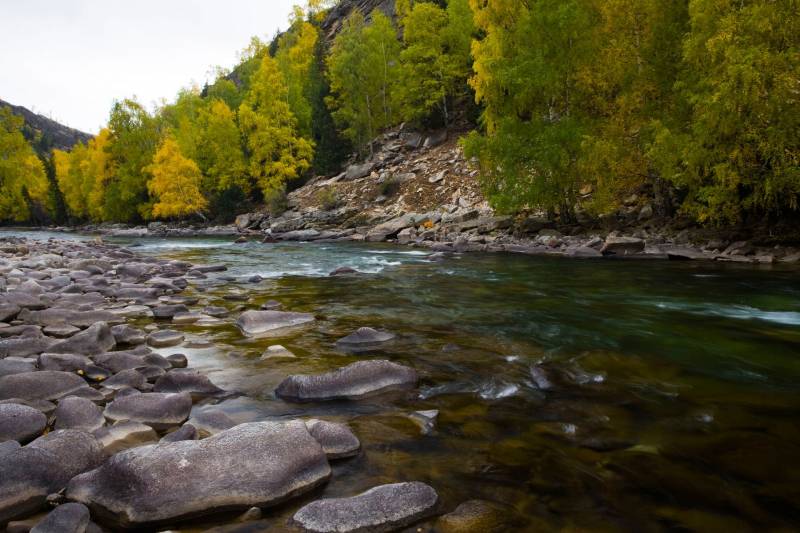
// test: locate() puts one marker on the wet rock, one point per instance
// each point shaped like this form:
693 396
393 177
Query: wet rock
270 305
71 317
185 380
382 508
177 360
66 518
276 351
78 413
188 318
584 252
364 338
16 365
164 338
357 380
42 385
148 485
426 420
216 312
186 432
119 361
477 515
20 422
262 323
622 246
158 410
341 271
94 340
210 422
337 440
127 335
123 435
169 311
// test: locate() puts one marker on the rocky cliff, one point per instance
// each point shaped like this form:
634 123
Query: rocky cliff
44 133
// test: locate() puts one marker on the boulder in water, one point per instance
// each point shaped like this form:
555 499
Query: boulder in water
164 338
257 464
262 323
364 338
337 440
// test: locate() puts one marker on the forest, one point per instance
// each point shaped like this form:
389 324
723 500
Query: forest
572 105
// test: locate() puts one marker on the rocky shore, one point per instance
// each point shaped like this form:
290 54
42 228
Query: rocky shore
97 430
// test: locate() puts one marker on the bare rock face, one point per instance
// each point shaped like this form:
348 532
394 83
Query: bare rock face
257 464
157 410
380 509
263 323
42 385
354 381
20 423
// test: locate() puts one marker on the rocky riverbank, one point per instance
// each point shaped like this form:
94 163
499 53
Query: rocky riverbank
97 430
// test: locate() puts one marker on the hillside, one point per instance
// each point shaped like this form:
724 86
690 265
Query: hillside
46 134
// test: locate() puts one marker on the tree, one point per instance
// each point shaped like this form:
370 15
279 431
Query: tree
133 141
219 153
295 58
277 153
436 61
23 182
175 182
740 153
363 68
528 78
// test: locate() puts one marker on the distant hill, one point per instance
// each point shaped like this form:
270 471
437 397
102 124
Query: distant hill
45 134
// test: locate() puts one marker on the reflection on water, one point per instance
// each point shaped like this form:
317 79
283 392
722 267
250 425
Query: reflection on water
597 396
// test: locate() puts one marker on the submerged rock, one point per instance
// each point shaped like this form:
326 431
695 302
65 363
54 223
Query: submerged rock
185 380
276 351
477 515
354 381
20 422
364 338
164 338
380 509
257 464
257 323
158 410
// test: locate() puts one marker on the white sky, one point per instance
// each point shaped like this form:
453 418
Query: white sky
70 59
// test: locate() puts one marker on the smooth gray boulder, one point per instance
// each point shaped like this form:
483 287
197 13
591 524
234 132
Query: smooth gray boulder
257 464
119 361
169 311
186 432
164 338
266 323
127 335
380 509
61 316
186 380
64 362
41 385
78 413
354 381
177 360
20 422
210 422
16 365
157 410
66 518
77 451
8 312
8 447
96 339
25 346
622 246
126 378
337 440
364 338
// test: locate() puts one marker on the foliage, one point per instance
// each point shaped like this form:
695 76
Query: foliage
175 185
327 199
23 182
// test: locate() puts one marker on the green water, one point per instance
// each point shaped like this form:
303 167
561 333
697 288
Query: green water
588 395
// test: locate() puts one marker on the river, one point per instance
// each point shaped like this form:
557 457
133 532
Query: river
589 395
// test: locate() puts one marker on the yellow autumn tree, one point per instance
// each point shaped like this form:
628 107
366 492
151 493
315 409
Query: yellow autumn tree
175 185
23 182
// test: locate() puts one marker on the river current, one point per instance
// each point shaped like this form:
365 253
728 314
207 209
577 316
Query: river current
588 395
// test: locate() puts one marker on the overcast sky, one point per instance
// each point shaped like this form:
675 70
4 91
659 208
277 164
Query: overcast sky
69 59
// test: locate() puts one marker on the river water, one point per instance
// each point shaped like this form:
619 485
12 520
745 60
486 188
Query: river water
588 395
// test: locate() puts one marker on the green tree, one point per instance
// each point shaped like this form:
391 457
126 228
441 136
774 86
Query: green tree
277 153
219 153
363 71
295 58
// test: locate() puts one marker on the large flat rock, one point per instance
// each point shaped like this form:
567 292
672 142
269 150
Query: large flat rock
257 464
41 385
354 381
96 339
380 509
157 410
265 323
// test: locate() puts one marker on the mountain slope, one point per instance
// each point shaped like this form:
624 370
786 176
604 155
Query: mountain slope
45 134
